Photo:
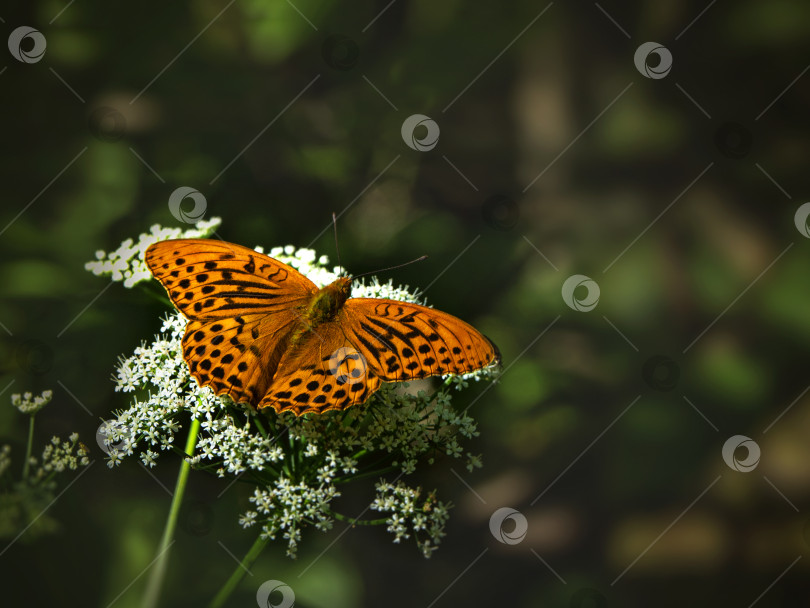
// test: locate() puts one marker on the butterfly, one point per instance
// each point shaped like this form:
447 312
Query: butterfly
261 332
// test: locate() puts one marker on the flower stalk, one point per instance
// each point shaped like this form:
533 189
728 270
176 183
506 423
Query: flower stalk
28 448
158 574
239 573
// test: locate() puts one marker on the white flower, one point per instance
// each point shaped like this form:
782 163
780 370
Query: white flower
126 264
28 404
61 455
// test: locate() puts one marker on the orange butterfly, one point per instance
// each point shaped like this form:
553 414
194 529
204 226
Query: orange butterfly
261 332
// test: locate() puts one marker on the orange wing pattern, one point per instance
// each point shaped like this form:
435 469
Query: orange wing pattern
323 372
261 332
403 341
243 307
209 279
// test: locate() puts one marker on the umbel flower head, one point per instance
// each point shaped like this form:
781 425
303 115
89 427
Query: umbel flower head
25 500
27 403
299 465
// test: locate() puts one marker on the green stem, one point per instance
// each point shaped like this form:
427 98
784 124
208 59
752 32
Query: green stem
27 463
366 474
358 522
152 595
239 573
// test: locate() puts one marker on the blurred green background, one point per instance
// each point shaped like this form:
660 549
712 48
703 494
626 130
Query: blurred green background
281 113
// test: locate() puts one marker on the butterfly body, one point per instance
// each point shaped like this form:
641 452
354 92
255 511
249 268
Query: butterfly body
262 333
329 300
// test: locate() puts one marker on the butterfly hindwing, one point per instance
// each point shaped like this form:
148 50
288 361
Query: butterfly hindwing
404 341
210 279
322 372
237 356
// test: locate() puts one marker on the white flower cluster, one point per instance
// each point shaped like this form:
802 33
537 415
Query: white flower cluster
24 500
425 521
285 507
159 376
307 262
60 455
297 462
27 403
127 264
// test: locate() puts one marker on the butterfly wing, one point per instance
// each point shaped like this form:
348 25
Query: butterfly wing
321 371
403 341
209 279
243 307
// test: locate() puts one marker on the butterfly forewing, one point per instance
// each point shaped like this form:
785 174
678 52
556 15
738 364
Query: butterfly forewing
243 306
403 341
209 279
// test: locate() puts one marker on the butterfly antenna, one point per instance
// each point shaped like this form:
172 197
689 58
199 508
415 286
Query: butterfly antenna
419 259
337 249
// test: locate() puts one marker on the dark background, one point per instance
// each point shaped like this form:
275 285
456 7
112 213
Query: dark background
705 167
